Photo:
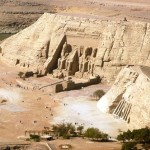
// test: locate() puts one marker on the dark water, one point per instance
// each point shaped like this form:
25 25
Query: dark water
4 36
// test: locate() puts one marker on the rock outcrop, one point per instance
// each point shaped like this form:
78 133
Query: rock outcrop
82 47
129 97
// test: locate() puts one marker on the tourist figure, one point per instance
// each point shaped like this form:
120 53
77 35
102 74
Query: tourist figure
125 19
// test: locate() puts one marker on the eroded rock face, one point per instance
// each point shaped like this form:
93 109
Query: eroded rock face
129 97
96 47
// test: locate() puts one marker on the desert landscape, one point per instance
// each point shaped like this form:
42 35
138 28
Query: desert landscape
23 110
18 14
56 54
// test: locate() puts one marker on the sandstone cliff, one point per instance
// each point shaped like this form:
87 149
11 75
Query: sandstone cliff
78 46
129 97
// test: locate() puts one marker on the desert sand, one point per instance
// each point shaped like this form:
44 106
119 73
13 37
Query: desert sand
28 109
18 14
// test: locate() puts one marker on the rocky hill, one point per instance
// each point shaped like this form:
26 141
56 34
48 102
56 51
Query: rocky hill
78 46
16 15
129 97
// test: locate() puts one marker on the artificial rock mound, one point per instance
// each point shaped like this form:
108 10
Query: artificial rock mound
129 97
82 47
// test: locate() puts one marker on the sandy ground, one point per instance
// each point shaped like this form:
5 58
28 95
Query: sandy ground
24 109
85 144
28 109
77 107
77 144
